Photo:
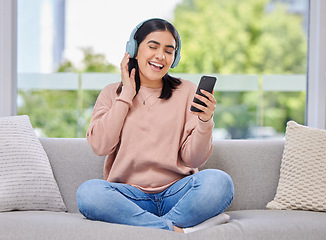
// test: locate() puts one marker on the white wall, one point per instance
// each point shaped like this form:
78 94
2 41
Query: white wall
316 101
8 59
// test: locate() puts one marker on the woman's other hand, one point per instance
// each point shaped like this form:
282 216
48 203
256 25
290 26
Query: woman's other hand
128 81
207 112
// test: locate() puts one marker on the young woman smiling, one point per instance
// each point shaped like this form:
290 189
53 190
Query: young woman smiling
154 144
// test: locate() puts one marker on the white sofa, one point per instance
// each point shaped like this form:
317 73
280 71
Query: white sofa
254 166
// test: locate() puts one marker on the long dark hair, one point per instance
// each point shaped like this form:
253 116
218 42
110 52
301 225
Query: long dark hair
169 83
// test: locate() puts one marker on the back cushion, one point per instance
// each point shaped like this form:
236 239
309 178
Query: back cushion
73 162
254 166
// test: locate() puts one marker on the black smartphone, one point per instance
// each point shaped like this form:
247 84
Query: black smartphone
207 83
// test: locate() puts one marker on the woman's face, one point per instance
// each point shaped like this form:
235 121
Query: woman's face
155 57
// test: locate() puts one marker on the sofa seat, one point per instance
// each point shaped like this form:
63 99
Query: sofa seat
268 224
244 224
42 225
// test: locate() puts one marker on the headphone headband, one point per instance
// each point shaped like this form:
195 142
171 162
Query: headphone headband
132 45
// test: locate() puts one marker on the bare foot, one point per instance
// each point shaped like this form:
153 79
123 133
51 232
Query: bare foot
177 229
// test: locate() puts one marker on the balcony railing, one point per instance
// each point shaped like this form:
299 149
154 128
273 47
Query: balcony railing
227 88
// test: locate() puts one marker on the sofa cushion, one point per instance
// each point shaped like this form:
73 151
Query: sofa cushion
254 166
245 224
73 162
302 182
40 225
268 225
26 178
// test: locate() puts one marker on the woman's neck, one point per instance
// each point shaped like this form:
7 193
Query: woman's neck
151 83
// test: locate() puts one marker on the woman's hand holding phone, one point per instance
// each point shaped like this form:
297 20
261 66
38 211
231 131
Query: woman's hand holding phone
204 101
128 81
208 111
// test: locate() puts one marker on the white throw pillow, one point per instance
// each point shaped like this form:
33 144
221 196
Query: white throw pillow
26 177
302 183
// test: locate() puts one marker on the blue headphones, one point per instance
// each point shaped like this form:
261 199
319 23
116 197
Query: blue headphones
132 46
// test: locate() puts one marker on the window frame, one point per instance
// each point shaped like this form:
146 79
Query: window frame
8 57
316 71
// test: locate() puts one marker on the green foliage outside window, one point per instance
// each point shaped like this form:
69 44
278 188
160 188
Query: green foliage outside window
65 113
241 37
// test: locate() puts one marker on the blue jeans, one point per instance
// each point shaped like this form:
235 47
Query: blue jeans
186 203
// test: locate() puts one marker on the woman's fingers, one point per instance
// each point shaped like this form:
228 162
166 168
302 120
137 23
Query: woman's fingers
132 78
210 96
127 80
124 64
210 102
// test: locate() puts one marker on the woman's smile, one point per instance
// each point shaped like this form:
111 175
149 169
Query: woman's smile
156 66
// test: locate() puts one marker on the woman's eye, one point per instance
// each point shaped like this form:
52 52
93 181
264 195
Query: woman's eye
152 47
169 52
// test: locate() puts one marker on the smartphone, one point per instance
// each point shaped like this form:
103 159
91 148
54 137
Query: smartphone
207 83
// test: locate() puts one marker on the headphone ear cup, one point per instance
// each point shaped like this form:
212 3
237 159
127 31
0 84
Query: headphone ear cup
176 60
177 56
132 45
131 48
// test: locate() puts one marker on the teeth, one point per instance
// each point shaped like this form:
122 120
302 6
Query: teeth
156 64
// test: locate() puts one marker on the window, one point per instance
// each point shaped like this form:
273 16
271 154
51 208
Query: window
257 49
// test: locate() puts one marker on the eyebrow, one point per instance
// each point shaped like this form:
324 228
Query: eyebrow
155 42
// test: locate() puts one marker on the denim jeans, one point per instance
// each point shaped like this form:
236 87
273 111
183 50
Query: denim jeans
186 203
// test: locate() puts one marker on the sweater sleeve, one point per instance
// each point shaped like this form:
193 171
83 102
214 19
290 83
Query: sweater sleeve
197 136
107 120
197 147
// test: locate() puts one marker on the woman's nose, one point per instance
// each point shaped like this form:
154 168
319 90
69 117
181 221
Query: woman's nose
160 54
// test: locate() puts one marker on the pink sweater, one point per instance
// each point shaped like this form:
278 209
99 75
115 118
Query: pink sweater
149 146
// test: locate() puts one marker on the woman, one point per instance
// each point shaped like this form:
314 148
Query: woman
154 144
